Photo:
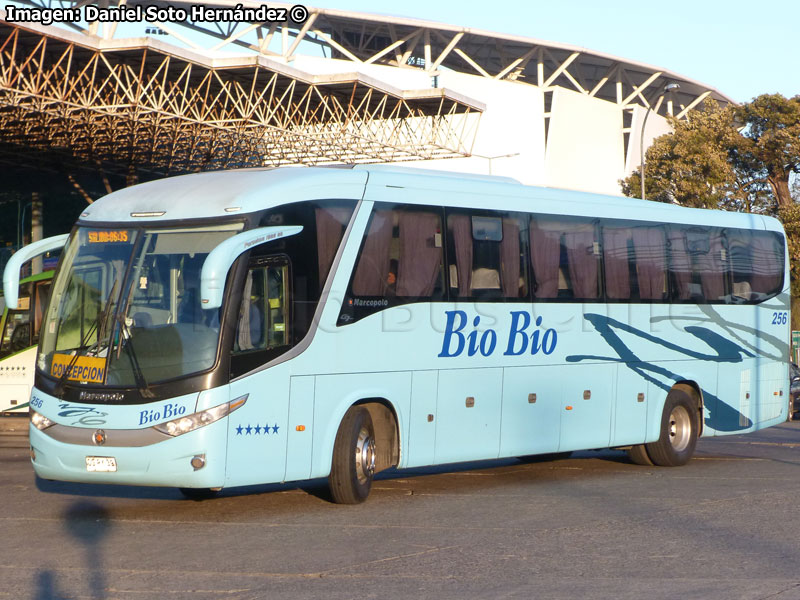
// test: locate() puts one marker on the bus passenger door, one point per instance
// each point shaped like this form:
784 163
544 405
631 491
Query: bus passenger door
468 415
257 435
586 414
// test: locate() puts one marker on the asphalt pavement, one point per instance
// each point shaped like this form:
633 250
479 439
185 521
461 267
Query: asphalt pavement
590 526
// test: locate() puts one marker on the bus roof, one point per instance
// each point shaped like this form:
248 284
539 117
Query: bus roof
219 194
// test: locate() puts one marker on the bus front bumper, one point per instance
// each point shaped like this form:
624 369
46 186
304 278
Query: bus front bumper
193 460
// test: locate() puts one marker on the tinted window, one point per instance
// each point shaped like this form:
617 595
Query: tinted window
634 261
486 255
565 258
400 260
698 264
756 261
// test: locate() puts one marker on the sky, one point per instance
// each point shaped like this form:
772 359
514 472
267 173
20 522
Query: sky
743 48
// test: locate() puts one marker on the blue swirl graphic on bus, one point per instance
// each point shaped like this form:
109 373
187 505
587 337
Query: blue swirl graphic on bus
88 415
722 416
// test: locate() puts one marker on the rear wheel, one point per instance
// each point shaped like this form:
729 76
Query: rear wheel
353 464
679 430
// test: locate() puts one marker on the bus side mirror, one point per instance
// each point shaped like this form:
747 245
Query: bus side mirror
20 257
219 260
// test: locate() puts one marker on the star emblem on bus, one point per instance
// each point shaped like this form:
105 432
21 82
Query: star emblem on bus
265 429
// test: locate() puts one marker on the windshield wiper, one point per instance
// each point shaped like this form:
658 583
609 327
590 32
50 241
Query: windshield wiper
59 389
102 318
126 340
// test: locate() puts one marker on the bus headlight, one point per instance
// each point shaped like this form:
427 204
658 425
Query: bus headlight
40 421
200 419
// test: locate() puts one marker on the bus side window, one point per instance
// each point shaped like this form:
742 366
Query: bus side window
17 331
485 259
617 258
634 261
401 260
331 222
698 264
650 259
545 250
264 313
756 264
565 256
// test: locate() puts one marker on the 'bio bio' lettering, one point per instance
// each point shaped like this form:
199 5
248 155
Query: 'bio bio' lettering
519 340
153 415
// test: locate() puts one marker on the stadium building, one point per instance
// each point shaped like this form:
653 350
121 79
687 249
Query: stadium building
108 100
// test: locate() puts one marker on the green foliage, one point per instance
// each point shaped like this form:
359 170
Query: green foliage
768 147
693 167
790 216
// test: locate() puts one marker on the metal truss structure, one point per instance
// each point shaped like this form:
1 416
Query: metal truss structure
223 94
72 98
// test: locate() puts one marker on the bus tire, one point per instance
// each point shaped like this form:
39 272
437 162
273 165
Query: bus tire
353 464
638 455
679 431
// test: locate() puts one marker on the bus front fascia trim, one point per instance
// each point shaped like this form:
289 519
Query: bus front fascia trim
20 257
219 260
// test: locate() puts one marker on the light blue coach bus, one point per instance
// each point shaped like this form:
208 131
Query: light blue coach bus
235 328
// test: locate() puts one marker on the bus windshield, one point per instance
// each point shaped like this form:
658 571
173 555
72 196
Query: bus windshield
126 310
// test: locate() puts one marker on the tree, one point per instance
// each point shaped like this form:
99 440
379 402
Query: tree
690 165
768 147
705 162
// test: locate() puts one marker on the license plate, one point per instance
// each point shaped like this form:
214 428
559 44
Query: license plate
101 464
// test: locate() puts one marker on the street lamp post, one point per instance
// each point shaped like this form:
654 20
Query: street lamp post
670 87
21 225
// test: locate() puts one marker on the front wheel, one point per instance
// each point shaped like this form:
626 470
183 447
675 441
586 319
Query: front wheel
679 431
353 464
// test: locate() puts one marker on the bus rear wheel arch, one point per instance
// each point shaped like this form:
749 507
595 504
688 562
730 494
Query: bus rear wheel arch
366 443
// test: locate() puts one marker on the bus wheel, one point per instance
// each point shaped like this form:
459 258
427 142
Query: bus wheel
198 493
679 430
638 455
353 462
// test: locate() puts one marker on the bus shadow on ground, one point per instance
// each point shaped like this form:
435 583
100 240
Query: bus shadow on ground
548 466
318 488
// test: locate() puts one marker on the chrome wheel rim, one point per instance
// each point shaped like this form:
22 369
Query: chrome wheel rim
680 428
365 456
